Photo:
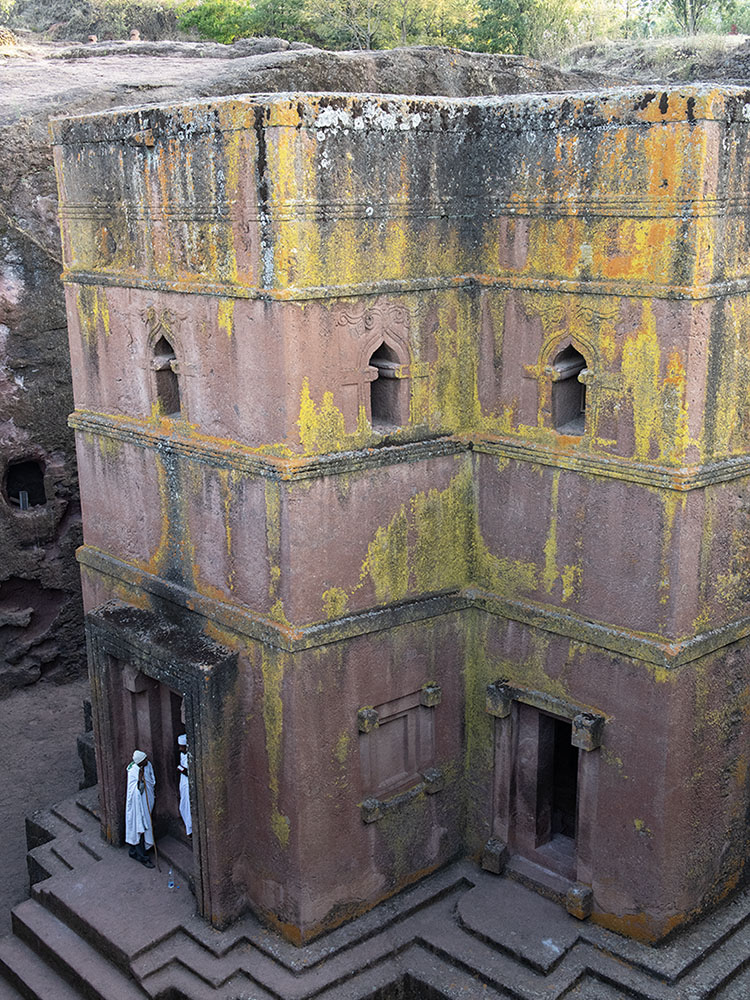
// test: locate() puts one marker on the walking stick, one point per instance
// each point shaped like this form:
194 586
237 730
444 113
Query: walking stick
150 823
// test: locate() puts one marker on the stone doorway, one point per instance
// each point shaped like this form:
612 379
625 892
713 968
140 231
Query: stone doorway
149 675
152 719
545 788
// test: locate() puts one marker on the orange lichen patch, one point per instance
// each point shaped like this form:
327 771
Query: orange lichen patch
640 926
637 249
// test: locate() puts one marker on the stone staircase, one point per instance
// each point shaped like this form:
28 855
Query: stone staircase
101 927
45 958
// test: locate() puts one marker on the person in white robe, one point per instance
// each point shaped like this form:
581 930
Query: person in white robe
139 805
182 770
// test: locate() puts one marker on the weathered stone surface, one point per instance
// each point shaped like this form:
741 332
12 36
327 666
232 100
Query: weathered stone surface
319 367
38 546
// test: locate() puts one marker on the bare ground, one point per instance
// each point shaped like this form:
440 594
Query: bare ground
38 730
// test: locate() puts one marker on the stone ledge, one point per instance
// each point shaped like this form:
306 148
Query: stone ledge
233 455
294 638
396 286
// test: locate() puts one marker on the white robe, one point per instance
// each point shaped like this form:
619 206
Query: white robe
187 818
139 804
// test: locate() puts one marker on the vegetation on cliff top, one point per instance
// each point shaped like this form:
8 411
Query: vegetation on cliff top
540 28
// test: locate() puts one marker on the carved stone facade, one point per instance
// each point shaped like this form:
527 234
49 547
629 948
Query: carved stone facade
412 451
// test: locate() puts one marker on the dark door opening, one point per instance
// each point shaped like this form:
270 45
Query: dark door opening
154 718
556 795
564 781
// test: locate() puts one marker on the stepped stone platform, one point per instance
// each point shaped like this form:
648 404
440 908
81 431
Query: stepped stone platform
100 926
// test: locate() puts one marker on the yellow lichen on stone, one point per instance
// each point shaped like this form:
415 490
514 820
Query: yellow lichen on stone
672 502
387 560
343 747
225 315
659 408
93 313
571 577
443 524
322 429
335 601
273 534
227 488
272 665
550 574
454 375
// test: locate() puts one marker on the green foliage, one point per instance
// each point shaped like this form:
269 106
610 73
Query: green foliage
543 27
225 20
435 22
221 20
359 24
735 14
690 14
6 6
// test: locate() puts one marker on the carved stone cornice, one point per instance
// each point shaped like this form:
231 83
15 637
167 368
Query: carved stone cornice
666 653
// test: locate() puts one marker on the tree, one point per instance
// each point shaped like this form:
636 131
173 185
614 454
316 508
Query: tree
225 20
442 22
222 20
360 24
542 27
689 13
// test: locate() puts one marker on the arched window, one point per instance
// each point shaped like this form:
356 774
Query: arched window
568 394
167 386
24 484
386 389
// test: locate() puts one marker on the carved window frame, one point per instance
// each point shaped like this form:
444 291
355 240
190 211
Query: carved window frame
389 324
416 777
592 376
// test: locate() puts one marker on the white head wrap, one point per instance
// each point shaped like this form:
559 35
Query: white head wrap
139 756
182 740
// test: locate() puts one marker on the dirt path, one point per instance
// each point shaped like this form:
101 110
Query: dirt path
38 730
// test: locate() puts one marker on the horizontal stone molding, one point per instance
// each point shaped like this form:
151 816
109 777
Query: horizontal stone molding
661 652
178 283
485 207
681 479
687 104
241 458
665 653
242 619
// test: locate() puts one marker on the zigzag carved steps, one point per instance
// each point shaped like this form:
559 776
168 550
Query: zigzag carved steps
23 969
63 949
7 992
110 930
